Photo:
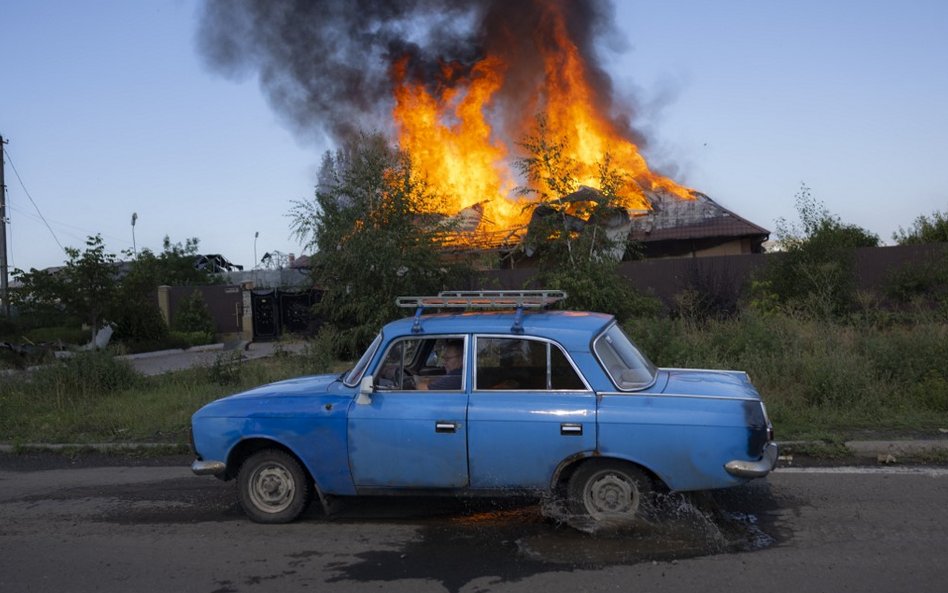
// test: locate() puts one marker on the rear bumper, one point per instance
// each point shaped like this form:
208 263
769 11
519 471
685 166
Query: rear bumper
754 469
208 468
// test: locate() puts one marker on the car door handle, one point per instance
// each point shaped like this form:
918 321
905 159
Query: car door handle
442 426
571 430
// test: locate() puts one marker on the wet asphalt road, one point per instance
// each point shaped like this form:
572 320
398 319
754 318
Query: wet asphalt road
159 528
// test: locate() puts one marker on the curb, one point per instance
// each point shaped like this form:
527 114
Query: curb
897 448
98 447
171 352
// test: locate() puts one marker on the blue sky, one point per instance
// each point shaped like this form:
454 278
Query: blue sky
109 110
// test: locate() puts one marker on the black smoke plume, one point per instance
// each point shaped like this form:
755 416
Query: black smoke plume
326 64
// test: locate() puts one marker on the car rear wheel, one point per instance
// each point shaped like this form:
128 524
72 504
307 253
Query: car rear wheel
610 492
272 487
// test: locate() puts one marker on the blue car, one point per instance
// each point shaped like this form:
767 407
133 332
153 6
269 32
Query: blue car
494 395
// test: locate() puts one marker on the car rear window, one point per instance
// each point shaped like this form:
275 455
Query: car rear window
628 368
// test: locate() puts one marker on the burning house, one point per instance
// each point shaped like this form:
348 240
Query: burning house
464 86
694 228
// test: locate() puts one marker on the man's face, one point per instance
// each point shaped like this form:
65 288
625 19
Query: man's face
451 358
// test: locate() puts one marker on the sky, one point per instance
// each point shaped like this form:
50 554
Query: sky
109 110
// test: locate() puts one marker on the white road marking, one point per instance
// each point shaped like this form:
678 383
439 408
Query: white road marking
932 472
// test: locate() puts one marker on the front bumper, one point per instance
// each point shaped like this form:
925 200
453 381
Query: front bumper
208 468
754 469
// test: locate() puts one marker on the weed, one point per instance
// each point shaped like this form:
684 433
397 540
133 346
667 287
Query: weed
226 369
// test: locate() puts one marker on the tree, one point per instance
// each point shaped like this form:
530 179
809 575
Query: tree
374 238
577 250
819 230
84 287
816 271
136 309
925 229
37 299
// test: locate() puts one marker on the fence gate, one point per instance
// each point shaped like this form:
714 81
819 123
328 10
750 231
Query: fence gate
265 320
296 311
279 311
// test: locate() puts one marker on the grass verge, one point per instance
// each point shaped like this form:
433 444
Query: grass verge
821 381
94 398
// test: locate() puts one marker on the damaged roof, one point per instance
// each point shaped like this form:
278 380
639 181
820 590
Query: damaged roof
674 219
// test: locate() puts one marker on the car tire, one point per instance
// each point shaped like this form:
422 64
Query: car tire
610 492
273 487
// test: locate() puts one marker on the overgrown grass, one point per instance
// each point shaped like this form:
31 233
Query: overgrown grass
820 378
94 398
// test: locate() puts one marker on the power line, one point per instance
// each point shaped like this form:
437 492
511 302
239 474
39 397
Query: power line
78 232
26 191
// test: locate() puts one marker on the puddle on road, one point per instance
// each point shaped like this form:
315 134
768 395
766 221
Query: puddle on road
510 541
463 540
679 526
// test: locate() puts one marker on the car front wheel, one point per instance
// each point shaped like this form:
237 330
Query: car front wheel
610 492
272 487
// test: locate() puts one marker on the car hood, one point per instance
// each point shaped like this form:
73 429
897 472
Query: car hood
709 383
276 399
310 385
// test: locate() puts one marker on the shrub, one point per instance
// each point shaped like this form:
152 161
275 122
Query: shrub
58 334
601 289
318 354
188 339
139 320
193 316
226 369
931 392
815 274
925 229
85 375
927 281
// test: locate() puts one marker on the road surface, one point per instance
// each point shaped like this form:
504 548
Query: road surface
159 528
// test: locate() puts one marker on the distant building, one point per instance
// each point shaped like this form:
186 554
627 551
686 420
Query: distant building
695 228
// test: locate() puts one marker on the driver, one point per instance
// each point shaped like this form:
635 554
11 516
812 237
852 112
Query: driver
452 357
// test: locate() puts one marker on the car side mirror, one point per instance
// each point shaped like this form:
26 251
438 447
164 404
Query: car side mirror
366 387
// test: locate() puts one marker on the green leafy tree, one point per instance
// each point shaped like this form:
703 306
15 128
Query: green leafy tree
89 281
815 274
578 249
83 288
373 236
925 229
136 308
37 299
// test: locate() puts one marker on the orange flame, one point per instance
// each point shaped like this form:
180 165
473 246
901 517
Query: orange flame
449 135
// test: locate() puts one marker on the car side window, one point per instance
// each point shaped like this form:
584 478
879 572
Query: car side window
522 364
416 364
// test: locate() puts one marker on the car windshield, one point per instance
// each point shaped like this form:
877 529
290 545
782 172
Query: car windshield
627 366
355 375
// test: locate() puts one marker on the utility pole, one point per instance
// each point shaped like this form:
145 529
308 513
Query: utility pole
4 287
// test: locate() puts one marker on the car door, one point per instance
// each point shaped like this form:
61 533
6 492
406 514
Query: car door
529 409
413 434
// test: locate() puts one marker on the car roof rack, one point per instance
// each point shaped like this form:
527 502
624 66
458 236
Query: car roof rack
482 299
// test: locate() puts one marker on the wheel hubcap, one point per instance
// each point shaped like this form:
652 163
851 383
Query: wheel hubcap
609 494
272 488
